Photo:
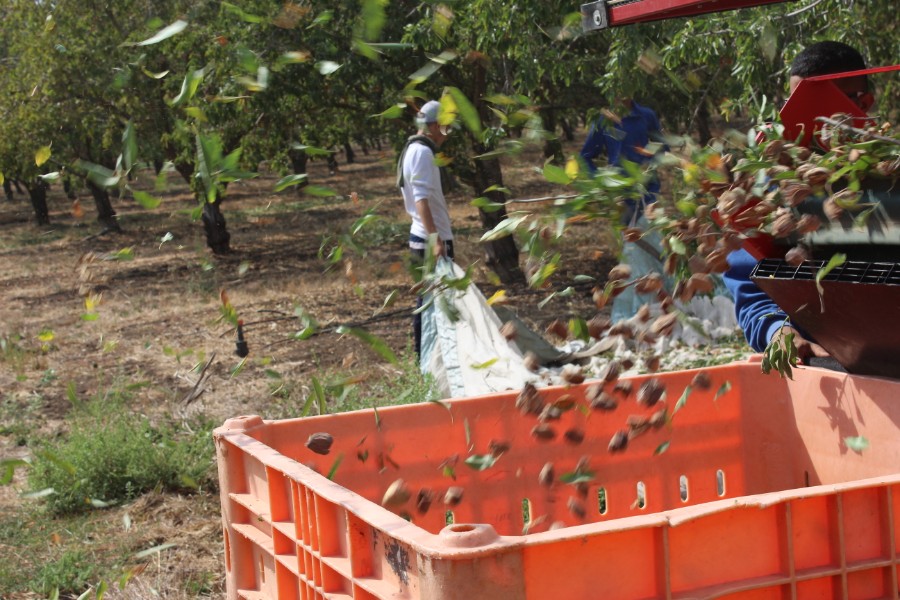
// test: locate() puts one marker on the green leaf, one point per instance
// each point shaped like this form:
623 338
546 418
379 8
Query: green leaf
244 15
144 199
318 190
286 182
376 343
683 400
51 177
129 146
319 392
238 368
312 150
98 174
188 87
362 222
56 460
485 364
154 550
677 245
723 389
555 174
486 204
857 444
392 112
836 261
574 477
163 34
8 468
42 155
467 111
481 462
39 494
125 254
504 228
661 448
334 466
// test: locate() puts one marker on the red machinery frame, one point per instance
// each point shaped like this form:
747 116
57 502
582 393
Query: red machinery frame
613 13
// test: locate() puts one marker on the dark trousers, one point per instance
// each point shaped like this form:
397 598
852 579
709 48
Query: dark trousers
419 259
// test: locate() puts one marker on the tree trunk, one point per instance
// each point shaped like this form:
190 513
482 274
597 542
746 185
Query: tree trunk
567 129
105 213
299 160
502 255
552 145
217 236
7 187
703 123
37 191
349 154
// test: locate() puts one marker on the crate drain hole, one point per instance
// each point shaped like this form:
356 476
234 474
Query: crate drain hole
262 570
720 482
641 494
448 517
602 500
683 487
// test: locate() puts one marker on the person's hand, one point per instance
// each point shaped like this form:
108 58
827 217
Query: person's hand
438 248
806 349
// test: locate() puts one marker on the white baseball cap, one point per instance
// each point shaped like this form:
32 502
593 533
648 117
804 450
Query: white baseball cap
429 112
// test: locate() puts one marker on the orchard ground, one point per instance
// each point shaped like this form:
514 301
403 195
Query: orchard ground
152 329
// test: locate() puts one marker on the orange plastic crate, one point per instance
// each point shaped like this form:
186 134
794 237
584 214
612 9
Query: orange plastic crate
757 496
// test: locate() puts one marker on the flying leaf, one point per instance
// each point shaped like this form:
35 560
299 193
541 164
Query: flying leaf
188 87
466 111
572 168
376 343
318 190
683 400
154 550
311 150
836 261
485 364
555 174
481 462
42 155
8 468
145 200
51 177
723 389
499 297
286 182
392 112
39 493
241 13
577 477
857 444
327 67
661 448
163 34
334 466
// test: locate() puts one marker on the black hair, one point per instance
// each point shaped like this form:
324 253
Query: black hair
827 58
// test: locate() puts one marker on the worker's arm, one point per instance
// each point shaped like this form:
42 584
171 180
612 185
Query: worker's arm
424 211
594 145
761 319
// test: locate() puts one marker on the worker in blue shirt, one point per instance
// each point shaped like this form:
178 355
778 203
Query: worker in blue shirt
621 139
760 318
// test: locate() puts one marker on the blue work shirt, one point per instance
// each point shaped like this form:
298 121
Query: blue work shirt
620 140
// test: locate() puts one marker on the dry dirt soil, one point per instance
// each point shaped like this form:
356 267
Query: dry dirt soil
158 318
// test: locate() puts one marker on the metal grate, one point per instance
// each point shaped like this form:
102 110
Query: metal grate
885 273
